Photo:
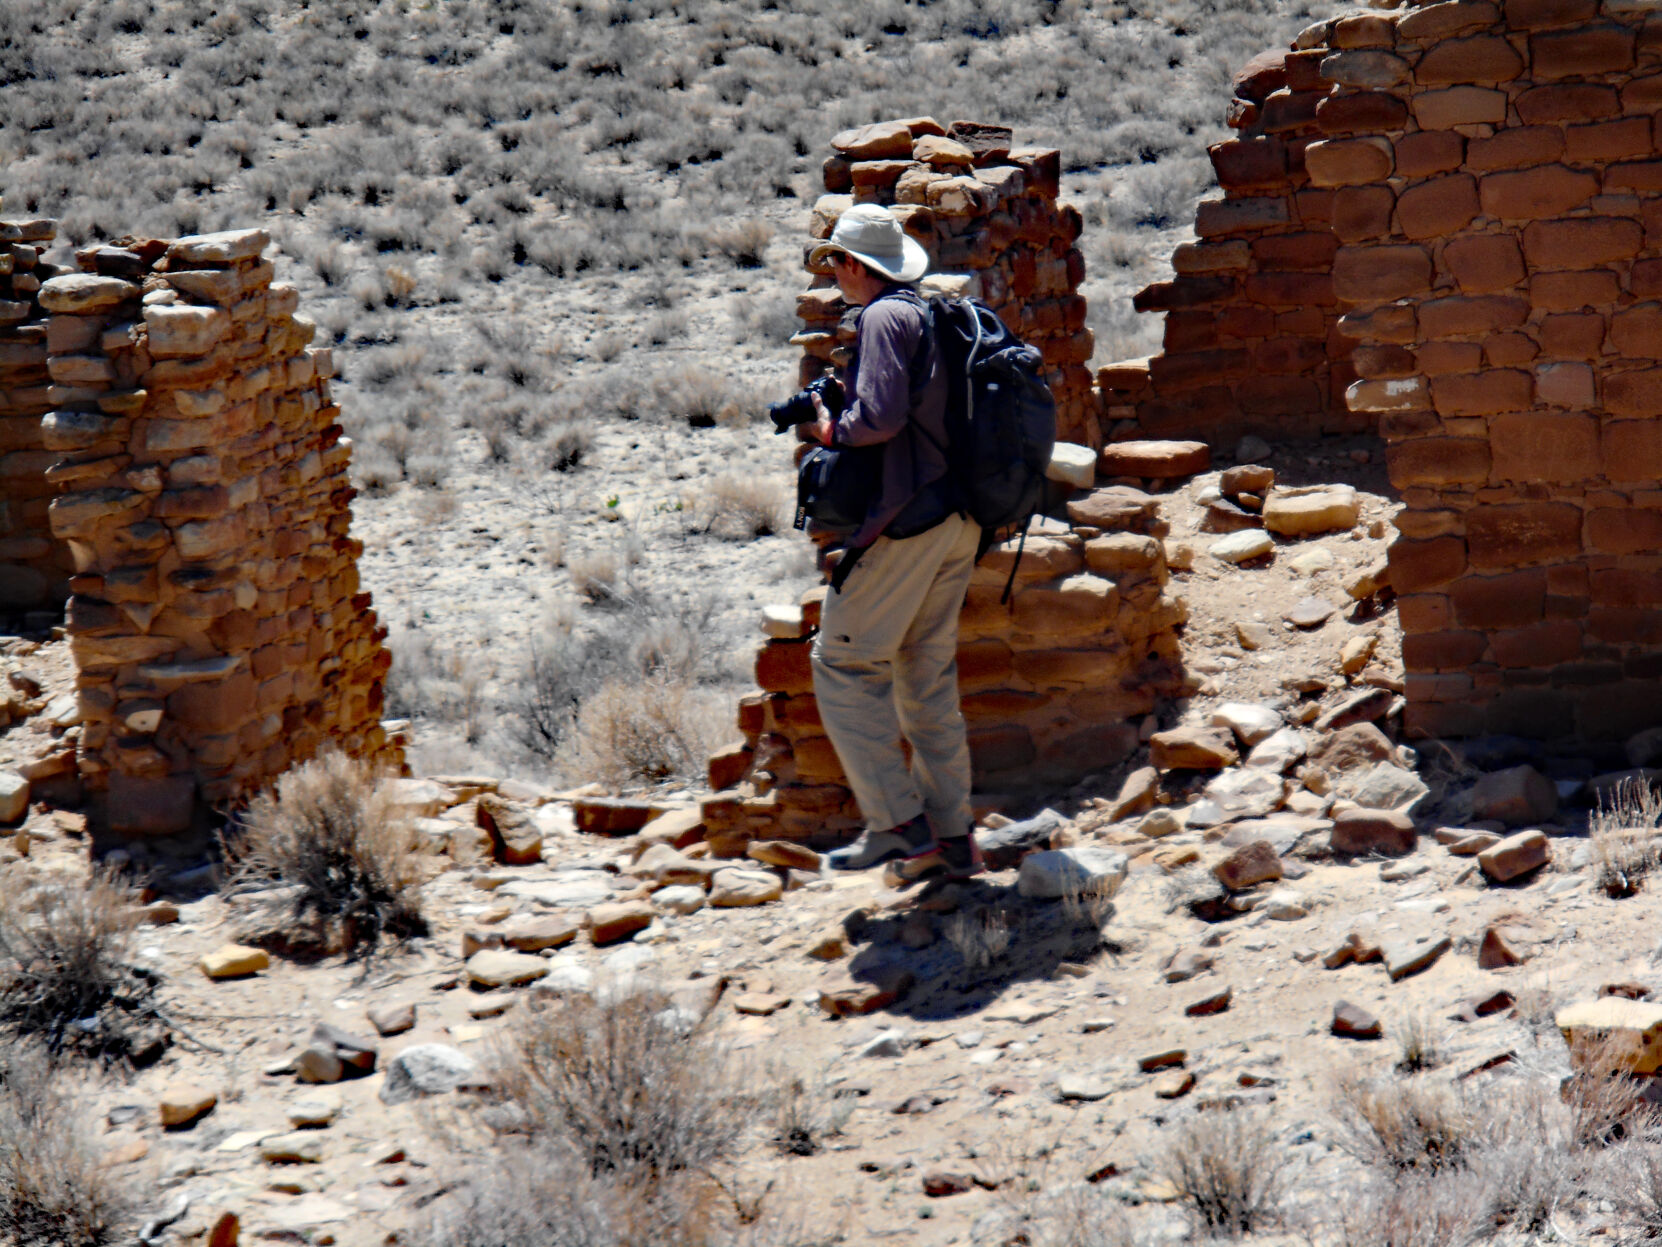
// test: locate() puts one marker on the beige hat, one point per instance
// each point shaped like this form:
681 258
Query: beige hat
872 233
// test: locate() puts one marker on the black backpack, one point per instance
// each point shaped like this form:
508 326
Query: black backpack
1000 414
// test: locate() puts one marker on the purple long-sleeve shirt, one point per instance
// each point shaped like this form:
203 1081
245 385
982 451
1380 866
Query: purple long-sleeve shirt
881 402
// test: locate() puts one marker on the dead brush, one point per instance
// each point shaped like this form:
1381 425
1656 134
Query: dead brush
622 1085
1405 1125
741 507
652 728
327 862
806 1113
1606 1104
979 937
1419 1043
1227 1168
1624 838
56 1190
1430 1210
68 976
745 243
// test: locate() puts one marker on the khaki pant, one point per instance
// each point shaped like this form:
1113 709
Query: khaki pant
886 666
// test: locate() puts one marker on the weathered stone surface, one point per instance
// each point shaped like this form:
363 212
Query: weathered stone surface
427 1069
1494 953
785 854
1515 856
1363 707
1309 612
232 961
1363 831
1193 748
1384 786
14 797
1516 796
1185 964
225 247
1354 1022
1250 721
1249 865
881 989
1279 751
392 1018
1154 459
1003 847
618 920
1206 1006
79 293
1632 1029
733 888
182 1103
1242 547
1313 509
1405 957
495 967
1072 465
301 1147
1083 1085
664 866
1055 873
679 899
515 838
1246 792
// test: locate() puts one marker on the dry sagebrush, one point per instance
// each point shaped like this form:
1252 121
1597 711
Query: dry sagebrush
327 862
67 973
55 1189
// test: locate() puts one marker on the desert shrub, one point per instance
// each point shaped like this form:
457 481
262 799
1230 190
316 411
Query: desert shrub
55 1188
655 728
622 1083
67 973
1604 1102
741 506
1624 836
979 936
745 243
327 861
806 1112
1419 1045
1400 1125
1425 1210
1227 1168
1632 1182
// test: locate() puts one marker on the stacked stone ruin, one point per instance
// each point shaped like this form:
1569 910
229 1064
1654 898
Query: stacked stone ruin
199 499
33 570
1252 340
1504 284
1055 680
989 218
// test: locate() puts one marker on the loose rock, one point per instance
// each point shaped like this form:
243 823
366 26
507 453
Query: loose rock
1193 748
1353 1022
1515 856
426 1069
1081 871
182 1103
234 961
496 967
1248 866
1363 831
734 888
1516 796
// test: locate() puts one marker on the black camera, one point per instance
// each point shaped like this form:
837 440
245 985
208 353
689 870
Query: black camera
799 407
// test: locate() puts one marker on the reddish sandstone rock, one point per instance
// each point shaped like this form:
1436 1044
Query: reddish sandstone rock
1159 460
1249 865
1515 856
1353 1022
1193 748
1514 797
1362 831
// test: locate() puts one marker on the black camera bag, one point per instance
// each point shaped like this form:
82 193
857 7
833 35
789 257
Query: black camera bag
835 485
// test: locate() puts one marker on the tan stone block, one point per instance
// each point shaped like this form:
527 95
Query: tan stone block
1519 147
1437 207
1628 1030
1484 263
1380 274
1436 21
1498 390
1348 162
1589 51
1459 106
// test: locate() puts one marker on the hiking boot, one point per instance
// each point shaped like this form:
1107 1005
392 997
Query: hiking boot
952 857
909 840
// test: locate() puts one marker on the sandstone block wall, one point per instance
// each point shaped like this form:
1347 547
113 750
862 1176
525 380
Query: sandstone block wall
34 569
1052 682
989 218
199 489
1503 268
1252 340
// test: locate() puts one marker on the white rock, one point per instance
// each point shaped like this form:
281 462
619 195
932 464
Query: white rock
782 622
733 888
14 797
1246 792
497 967
1249 543
1309 562
680 899
1249 721
566 978
573 889
1284 905
420 798
1055 873
1279 751
427 1069
1072 465
1384 787
64 711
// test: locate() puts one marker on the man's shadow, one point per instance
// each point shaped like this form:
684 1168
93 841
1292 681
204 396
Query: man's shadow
965 944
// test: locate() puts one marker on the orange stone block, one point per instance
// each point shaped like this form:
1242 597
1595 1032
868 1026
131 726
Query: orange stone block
1426 152
1480 58
1482 393
1575 244
1420 565
1348 162
1587 52
1516 535
1460 106
1380 274
1520 147
1484 263
1438 461
1531 194
1438 207
1508 601
1632 449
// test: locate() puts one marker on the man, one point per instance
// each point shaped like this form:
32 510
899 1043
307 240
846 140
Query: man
885 660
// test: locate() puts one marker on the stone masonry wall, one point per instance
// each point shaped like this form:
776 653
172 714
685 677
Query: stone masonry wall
34 569
1252 341
989 218
201 491
1052 682
1507 296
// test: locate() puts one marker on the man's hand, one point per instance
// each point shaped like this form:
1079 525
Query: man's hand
821 430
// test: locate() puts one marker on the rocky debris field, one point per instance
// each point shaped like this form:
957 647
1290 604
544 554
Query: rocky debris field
1274 895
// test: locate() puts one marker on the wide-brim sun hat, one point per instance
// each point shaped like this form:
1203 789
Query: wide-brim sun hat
870 232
